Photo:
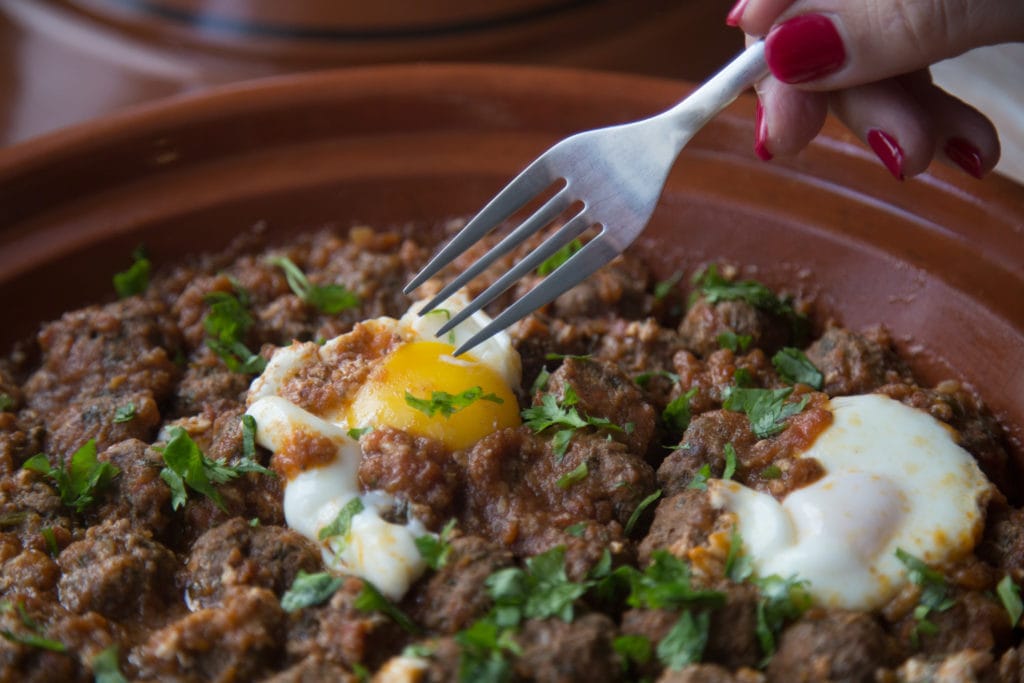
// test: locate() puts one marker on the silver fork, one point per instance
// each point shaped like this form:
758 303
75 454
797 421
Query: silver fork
616 173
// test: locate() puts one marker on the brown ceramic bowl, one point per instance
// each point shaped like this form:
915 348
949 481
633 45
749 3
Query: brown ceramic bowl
939 259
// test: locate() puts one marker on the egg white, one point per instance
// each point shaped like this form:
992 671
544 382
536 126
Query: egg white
895 478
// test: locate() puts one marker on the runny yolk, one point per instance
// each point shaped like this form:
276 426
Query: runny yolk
420 369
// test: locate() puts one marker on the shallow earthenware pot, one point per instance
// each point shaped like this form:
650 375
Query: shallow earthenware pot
938 259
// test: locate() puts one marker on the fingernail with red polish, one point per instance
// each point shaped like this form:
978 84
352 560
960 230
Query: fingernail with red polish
761 134
966 156
804 48
736 13
888 150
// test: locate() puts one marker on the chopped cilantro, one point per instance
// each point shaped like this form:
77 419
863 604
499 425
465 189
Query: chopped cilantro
226 324
483 647
738 567
35 637
677 413
665 584
662 288
742 377
700 480
420 650
371 600
106 667
540 383
714 287
125 413
187 465
329 299
771 472
435 549
254 522
248 437
449 404
576 530
564 356
794 366
632 649
559 257
51 541
357 433
781 600
578 474
934 593
310 589
734 342
766 408
134 280
339 526
644 378
643 505
6 402
685 643
564 415
730 462
79 483
1009 595
539 591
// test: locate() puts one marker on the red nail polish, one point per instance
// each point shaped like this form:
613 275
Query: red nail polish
736 13
966 156
888 150
804 48
761 134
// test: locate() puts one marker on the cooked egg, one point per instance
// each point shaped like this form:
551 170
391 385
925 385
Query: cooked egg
895 478
410 370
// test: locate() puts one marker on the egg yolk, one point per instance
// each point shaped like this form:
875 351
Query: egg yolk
425 370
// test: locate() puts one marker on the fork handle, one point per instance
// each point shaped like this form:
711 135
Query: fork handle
717 92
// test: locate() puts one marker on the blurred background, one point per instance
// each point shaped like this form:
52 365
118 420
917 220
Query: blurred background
66 61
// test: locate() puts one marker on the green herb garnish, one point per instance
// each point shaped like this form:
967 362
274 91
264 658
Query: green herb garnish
662 289
329 299
1009 595
738 567
781 600
435 549
767 409
106 667
449 404
6 402
340 525
134 280
125 413
685 643
665 584
578 474
794 366
644 378
226 324
700 480
483 648
935 595
51 541
730 462
357 433
677 413
371 600
633 649
539 591
564 416
643 505
576 530
79 483
559 257
310 589
35 637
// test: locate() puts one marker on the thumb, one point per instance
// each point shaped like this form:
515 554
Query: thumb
831 44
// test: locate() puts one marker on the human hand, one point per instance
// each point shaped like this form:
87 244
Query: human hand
867 61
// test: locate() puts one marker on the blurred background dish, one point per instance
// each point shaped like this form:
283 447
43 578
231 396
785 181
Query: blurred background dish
939 261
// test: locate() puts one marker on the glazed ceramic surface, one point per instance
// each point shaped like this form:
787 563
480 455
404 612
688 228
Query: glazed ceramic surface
939 259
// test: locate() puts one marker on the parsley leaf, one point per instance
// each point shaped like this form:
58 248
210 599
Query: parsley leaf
738 567
734 342
576 530
663 288
371 600
574 477
665 584
934 593
482 652
339 526
700 480
329 299
730 462
539 591
106 667
633 649
771 472
766 408
310 589
685 643
540 383
187 465
1009 595
134 280
357 433
125 413
677 413
552 413
79 482
643 505
226 324
559 257
644 378
449 404
781 600
36 636
710 283
435 549
794 366
51 541
7 402
248 437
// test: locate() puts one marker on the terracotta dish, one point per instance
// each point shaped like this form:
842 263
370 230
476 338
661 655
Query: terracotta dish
939 260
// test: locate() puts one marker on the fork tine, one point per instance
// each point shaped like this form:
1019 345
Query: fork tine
530 181
572 229
578 267
541 217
